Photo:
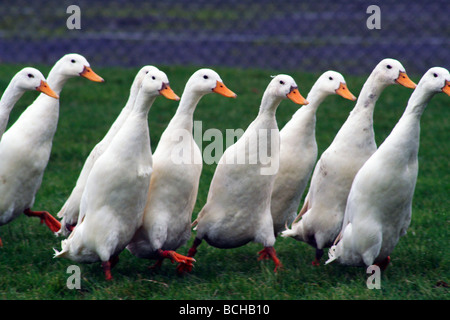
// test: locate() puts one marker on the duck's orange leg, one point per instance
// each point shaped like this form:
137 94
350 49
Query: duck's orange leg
176 257
106 265
269 253
319 254
46 217
183 267
384 264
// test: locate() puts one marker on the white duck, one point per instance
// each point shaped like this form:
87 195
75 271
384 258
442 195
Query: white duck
174 182
379 205
237 210
25 147
70 210
24 80
324 205
298 150
114 198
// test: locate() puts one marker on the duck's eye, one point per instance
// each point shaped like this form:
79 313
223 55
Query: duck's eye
153 77
146 72
30 75
281 82
389 66
73 60
435 75
205 77
331 78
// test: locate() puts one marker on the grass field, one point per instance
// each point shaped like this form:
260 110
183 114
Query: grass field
419 265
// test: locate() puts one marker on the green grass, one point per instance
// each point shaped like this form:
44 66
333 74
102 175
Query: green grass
419 263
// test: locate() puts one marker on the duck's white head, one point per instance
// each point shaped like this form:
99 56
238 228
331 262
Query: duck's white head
205 81
332 82
143 71
140 75
74 65
32 79
436 80
155 83
283 86
391 71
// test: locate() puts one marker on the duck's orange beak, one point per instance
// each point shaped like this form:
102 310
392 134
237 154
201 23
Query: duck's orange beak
405 81
167 92
223 90
45 88
295 96
89 74
344 92
446 88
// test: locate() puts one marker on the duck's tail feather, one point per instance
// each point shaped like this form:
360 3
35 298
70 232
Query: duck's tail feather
64 250
332 255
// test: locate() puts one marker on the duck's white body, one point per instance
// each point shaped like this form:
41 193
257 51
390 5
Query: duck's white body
238 206
171 199
379 205
237 210
324 206
70 210
25 79
174 183
114 198
298 150
25 147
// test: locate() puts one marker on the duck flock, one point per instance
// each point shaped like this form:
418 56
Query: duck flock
126 198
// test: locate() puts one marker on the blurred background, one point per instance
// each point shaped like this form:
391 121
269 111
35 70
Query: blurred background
307 36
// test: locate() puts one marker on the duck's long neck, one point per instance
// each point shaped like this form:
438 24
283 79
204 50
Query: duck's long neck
188 102
126 110
142 105
418 101
135 132
11 95
315 98
134 92
407 131
56 79
9 98
44 112
358 128
304 119
368 97
308 112
184 116
269 105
